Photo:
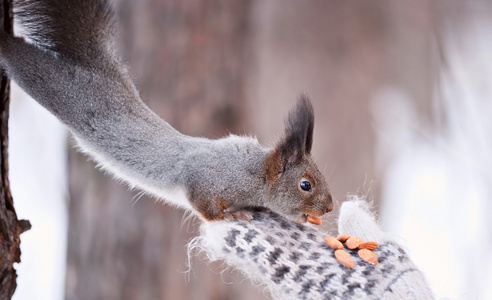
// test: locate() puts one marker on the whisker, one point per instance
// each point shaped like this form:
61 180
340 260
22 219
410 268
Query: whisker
137 197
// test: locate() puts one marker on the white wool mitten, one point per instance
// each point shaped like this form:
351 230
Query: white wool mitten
293 261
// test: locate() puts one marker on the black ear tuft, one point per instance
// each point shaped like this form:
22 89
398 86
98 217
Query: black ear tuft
298 139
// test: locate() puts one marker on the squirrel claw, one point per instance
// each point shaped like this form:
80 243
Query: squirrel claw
235 216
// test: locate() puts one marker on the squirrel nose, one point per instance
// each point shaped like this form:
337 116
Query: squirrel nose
330 204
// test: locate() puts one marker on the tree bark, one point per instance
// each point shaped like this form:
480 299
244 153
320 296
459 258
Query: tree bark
10 226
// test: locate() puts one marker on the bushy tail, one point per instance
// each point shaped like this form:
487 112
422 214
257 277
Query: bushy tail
78 30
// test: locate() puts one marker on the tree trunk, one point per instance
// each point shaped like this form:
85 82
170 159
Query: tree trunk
10 226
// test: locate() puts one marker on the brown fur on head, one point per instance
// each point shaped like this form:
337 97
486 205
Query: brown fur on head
290 165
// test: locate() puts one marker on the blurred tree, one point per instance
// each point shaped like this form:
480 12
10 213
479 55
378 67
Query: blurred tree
216 66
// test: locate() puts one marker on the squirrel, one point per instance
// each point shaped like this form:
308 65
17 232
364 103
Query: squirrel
71 67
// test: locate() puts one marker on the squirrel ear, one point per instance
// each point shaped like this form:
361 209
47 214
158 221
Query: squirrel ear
298 138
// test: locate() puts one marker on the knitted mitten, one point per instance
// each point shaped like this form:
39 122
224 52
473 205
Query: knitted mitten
293 261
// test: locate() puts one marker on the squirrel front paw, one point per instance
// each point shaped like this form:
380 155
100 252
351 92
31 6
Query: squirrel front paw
211 210
236 216
216 210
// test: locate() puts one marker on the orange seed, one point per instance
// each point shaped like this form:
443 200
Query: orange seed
368 245
313 220
343 237
353 242
344 258
368 256
333 243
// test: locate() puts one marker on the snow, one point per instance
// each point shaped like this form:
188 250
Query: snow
37 157
437 189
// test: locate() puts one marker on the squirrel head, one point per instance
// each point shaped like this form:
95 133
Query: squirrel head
295 186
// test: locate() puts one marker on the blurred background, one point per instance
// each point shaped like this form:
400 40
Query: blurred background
403 108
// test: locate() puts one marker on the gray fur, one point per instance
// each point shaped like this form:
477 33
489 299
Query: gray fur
74 72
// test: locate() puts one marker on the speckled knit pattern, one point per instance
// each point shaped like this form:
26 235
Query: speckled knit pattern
293 261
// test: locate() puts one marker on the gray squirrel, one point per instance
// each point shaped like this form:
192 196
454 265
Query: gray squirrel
72 69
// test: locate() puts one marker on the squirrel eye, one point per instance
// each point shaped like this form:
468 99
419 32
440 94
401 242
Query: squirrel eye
305 186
